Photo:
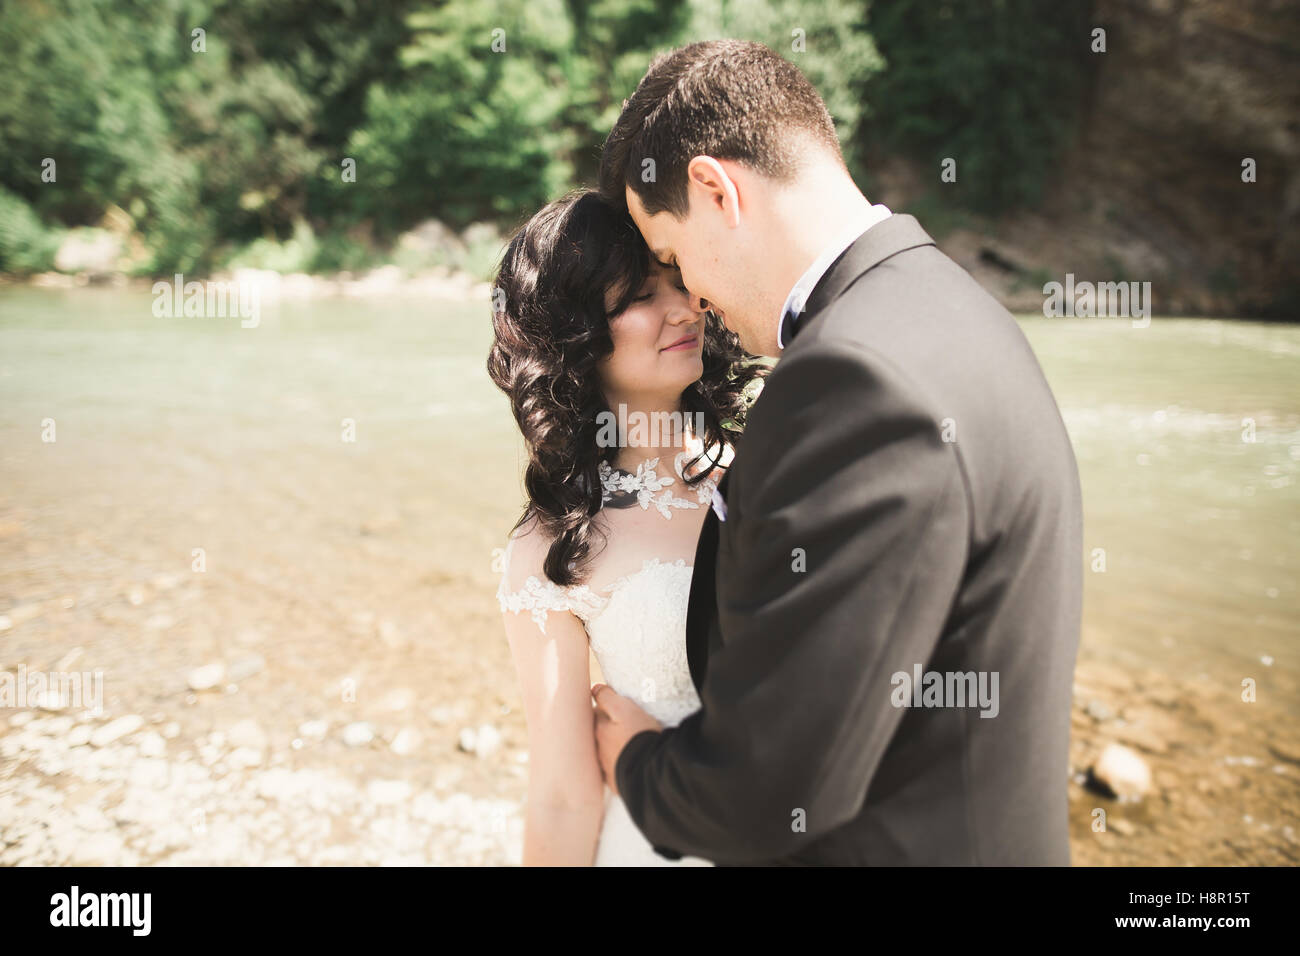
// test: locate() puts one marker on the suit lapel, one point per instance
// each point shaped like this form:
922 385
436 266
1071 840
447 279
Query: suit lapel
702 606
890 236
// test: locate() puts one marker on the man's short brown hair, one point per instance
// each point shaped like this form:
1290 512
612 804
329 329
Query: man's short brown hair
729 99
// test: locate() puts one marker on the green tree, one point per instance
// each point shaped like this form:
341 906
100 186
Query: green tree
468 131
995 86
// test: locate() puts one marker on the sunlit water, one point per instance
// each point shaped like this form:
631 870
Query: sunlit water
1187 434
1188 439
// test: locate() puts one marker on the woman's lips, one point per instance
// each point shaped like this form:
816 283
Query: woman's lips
682 346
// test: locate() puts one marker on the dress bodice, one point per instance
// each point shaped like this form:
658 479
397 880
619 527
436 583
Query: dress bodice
637 629
636 623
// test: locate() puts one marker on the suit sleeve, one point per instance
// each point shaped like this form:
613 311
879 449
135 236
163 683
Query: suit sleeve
837 567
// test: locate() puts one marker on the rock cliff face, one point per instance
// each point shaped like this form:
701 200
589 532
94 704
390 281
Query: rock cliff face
1185 92
1150 188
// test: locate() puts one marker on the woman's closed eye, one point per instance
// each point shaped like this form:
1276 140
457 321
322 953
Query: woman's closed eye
650 290
651 293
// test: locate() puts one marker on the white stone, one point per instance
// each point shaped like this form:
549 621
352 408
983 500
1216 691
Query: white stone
399 698
50 699
88 250
79 735
151 744
1123 771
406 741
244 757
207 676
245 667
314 729
58 726
116 729
442 715
358 734
487 740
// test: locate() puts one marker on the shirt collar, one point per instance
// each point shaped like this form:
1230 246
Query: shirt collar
798 297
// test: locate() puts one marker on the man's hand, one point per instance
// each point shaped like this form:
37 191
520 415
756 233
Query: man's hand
618 720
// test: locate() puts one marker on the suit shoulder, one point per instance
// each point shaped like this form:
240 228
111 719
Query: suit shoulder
843 372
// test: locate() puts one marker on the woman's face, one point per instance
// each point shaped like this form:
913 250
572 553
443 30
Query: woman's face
658 345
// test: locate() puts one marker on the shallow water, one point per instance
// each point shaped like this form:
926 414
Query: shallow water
183 432
1188 439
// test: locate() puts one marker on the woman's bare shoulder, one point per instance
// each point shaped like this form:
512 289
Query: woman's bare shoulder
525 555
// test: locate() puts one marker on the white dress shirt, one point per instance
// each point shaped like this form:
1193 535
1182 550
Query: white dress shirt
798 296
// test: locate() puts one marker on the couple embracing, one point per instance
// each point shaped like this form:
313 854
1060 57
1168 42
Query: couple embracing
764 589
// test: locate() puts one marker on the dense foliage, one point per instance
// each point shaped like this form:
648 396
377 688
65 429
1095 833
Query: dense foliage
994 85
199 153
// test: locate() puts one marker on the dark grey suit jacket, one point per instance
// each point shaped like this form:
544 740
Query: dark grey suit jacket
905 500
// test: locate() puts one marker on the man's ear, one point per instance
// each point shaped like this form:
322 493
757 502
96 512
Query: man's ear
714 185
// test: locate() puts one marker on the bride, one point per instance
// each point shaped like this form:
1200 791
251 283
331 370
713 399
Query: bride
588 328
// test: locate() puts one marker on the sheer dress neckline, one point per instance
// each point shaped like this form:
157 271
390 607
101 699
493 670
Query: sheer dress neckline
539 596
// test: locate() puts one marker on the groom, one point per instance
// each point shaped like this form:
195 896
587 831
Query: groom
885 611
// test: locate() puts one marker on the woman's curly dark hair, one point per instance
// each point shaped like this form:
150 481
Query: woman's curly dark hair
551 327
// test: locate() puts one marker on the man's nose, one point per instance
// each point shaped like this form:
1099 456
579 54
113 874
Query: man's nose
699 304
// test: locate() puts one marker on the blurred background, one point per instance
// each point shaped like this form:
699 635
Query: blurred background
278 540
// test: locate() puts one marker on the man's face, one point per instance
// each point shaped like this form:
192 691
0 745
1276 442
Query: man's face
711 261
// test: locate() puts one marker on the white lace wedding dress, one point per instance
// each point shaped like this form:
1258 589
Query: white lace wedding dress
637 630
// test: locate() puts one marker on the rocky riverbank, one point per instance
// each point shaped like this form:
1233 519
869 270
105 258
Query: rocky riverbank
220 771
430 261
1171 773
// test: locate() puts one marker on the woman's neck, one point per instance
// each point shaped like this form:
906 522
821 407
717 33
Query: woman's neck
643 433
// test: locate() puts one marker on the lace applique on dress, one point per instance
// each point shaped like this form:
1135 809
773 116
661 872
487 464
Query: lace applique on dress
539 596
622 489
619 487
704 490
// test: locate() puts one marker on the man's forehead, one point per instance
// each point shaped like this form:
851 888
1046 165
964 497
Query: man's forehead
662 254
636 209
